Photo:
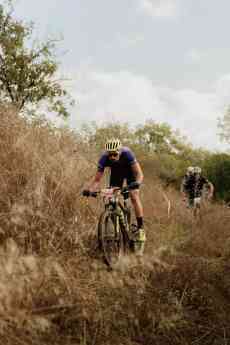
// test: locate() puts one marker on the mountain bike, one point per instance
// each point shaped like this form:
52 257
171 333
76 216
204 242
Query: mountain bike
114 225
197 208
194 204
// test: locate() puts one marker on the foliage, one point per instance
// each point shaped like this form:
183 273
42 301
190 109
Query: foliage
161 151
54 287
158 137
96 135
28 69
218 171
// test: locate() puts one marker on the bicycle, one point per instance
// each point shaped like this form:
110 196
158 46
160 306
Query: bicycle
194 204
114 224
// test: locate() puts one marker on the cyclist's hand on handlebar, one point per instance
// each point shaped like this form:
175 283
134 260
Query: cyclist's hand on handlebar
134 185
86 192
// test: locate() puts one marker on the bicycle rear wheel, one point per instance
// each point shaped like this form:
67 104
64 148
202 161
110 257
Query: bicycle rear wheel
110 237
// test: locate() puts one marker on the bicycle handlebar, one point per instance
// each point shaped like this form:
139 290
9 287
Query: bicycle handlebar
87 193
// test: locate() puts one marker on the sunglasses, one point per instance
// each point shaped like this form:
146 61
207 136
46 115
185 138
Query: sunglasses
113 154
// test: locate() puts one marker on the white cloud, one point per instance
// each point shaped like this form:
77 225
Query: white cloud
127 97
223 88
159 8
129 40
194 56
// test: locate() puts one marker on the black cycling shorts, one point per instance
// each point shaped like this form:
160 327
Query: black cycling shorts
118 180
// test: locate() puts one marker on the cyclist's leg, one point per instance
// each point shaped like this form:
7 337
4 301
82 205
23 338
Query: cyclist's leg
136 202
140 233
137 205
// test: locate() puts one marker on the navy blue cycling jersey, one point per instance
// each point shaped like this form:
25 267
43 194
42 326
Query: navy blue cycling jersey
120 169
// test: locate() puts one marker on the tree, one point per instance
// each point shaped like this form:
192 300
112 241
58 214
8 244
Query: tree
158 137
96 135
28 69
217 168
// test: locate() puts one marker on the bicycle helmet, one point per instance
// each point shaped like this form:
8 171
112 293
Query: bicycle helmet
113 145
190 170
197 170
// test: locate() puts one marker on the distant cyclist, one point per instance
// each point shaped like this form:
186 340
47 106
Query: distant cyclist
123 166
193 186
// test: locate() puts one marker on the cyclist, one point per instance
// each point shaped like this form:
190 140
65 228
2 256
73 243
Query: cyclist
123 166
193 185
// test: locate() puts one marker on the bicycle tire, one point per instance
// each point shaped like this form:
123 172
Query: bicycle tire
125 227
110 237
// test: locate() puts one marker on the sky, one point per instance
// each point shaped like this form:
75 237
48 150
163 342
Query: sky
134 60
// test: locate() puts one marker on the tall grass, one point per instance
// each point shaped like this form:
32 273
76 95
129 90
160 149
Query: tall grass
54 289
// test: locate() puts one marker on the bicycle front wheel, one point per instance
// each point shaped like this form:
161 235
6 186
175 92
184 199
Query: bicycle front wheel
110 237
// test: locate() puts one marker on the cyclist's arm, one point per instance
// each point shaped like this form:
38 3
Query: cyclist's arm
96 181
211 189
137 171
183 189
102 163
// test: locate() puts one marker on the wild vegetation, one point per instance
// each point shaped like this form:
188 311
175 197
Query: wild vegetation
55 288
165 153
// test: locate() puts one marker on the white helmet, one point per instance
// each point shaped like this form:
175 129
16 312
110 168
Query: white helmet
113 145
190 170
197 170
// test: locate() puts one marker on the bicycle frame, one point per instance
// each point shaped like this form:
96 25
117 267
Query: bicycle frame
194 205
113 203
113 228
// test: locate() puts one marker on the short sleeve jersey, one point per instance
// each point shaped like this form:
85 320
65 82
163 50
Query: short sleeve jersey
126 159
120 169
193 185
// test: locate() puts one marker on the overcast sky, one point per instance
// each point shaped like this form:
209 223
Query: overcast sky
132 60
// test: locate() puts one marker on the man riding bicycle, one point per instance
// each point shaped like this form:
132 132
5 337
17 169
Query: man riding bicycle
123 166
192 187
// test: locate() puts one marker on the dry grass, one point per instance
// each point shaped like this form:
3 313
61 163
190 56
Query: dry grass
54 289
